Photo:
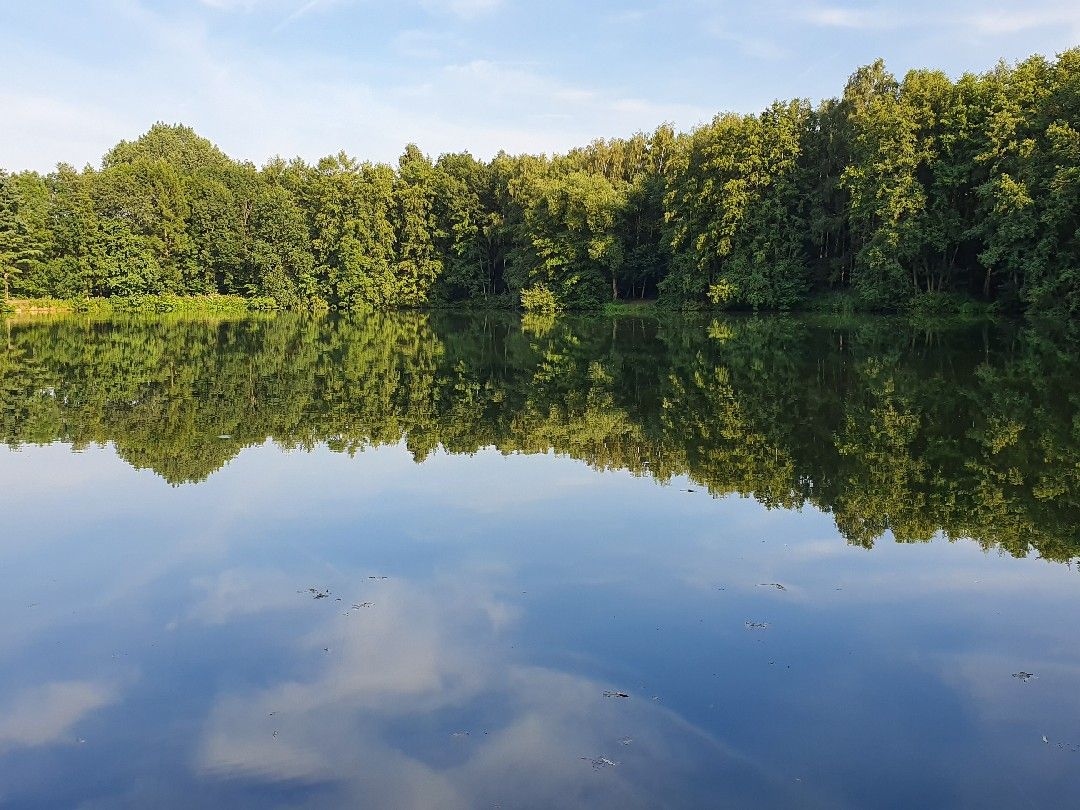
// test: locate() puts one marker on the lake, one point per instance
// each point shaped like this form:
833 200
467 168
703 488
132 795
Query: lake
477 561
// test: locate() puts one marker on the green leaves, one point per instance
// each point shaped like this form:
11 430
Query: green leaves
25 237
570 224
898 189
739 209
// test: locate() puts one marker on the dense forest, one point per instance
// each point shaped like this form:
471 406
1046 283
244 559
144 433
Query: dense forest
919 192
887 427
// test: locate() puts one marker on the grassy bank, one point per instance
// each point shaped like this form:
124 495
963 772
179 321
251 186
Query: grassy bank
143 304
630 307
932 309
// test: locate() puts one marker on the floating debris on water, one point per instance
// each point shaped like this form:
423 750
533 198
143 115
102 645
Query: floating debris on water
609 694
459 734
626 741
1024 677
317 594
776 585
756 625
1062 746
599 763
378 577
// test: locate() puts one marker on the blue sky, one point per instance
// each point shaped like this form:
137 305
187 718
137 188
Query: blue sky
311 77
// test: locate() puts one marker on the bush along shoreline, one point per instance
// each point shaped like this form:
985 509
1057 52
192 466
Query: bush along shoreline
925 194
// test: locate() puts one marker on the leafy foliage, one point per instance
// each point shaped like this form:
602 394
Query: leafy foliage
901 188
539 300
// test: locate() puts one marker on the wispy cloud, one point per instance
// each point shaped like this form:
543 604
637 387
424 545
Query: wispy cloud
303 10
859 19
462 8
1002 23
256 105
420 44
985 21
232 5
749 43
632 15
484 75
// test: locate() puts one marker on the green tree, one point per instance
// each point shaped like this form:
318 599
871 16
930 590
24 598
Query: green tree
25 237
419 263
886 199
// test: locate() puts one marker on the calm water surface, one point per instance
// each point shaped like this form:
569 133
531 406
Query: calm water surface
436 561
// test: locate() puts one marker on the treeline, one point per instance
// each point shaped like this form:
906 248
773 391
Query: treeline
888 428
900 193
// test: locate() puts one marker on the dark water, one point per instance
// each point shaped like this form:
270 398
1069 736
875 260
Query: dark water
815 558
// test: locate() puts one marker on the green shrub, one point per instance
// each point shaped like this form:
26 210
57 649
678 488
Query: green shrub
539 299
939 306
263 304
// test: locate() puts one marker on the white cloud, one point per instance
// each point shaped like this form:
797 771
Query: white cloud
1004 23
836 17
417 44
293 8
752 43
634 15
256 105
988 22
231 5
298 8
303 10
462 8
420 74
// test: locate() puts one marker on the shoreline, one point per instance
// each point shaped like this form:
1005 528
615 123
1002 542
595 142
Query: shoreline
929 307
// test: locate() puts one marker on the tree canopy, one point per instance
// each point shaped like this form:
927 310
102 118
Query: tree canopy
899 188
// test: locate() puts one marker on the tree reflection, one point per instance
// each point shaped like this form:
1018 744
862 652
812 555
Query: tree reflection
972 434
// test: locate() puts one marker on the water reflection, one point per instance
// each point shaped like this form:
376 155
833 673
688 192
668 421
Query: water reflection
165 647
420 702
971 433
46 714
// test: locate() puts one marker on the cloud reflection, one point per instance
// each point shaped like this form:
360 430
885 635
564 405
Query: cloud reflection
420 701
46 714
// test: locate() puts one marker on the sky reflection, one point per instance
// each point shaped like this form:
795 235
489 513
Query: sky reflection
164 647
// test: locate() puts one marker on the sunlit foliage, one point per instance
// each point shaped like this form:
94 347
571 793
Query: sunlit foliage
914 193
